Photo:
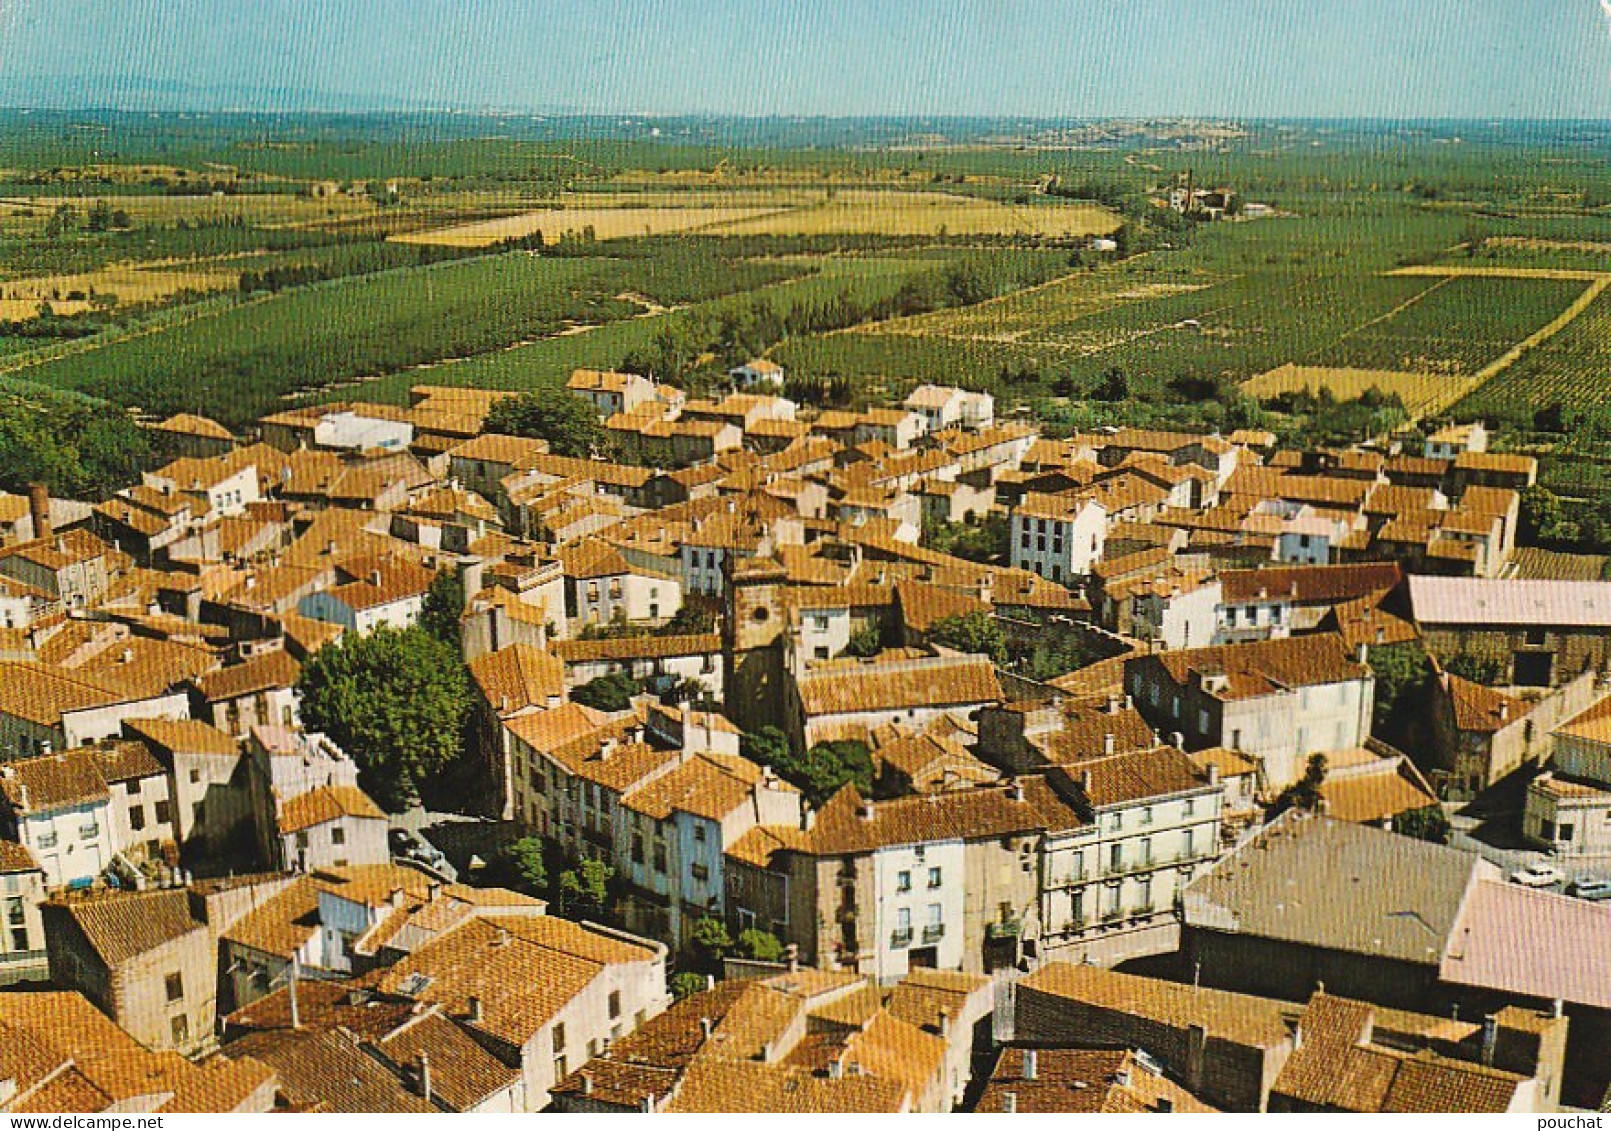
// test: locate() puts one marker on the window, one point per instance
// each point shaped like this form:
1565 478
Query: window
1535 637
1566 833
559 1038
1187 847
338 835
615 1004
1144 895
181 1030
1146 850
14 911
164 816
903 881
131 787
1146 814
1230 618
936 914
195 777
47 839
19 938
1202 722
934 878
301 840
903 919
1116 857
89 830
174 984
560 1071
1188 807
699 834
137 818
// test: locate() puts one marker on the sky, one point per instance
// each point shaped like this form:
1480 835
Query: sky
1032 58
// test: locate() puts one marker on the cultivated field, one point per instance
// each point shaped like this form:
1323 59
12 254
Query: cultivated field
72 294
1572 367
784 213
1421 392
605 223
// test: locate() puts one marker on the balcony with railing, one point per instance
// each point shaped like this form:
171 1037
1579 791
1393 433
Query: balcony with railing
1003 930
933 933
901 937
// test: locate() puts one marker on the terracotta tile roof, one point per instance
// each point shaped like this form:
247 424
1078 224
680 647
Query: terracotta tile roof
326 803
41 693
322 1070
1264 667
518 677
1593 724
1072 1081
1496 461
264 672
1480 709
923 604
551 729
746 1086
637 647
122 926
1329 584
189 424
144 668
54 781
991 811
872 686
110 1067
463 1073
707 785
523 970
1250 1021
15 857
1125 779
122 760
1337 1068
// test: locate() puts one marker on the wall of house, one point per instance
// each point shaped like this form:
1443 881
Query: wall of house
933 910
145 802
1274 968
1570 651
22 931
79 728
72 845
343 842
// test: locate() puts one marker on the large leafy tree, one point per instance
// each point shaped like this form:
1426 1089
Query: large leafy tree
557 415
444 604
584 891
821 771
394 700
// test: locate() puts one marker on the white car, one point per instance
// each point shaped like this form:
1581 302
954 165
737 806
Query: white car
1539 875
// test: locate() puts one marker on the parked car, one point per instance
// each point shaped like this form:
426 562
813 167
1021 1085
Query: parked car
1590 887
1537 875
418 850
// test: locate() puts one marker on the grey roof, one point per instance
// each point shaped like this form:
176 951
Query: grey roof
1332 884
1480 601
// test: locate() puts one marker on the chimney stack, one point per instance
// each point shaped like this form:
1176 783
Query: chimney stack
425 1076
1109 743
475 1010
1490 1038
39 509
1031 1064
1009 1103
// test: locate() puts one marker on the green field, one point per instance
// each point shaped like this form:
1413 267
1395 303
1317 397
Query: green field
239 361
1573 369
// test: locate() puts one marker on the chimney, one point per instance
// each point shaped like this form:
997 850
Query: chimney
1109 743
791 955
1490 1038
330 548
865 810
1557 1008
1015 789
475 1010
835 1069
706 1027
502 938
1009 1103
1122 1077
945 1023
39 509
606 749
374 578
1085 782
1363 653
1115 703
425 1076
1213 773
128 656
1031 1064
587 1084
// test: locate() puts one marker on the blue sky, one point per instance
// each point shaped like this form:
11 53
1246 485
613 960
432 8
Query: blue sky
1080 58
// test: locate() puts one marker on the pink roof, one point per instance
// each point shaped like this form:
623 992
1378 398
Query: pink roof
1531 943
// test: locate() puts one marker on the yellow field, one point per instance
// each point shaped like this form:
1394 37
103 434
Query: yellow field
782 213
1439 270
928 214
20 298
1420 392
607 224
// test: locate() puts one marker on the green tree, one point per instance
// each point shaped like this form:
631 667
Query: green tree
759 945
584 891
1305 792
685 983
1487 670
1429 823
1540 514
710 943
864 641
444 604
100 216
1403 674
611 692
975 632
61 222
525 862
557 415
828 767
396 701
768 746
